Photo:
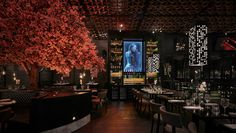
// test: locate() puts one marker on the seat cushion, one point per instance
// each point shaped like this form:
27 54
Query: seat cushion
96 101
168 129
192 127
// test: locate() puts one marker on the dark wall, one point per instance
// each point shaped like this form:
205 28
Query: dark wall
167 42
48 77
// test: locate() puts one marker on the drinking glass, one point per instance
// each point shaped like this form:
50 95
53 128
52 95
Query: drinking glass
74 87
188 102
207 98
224 103
195 99
215 109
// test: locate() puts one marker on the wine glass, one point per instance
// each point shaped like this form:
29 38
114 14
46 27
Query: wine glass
225 103
195 99
215 110
207 98
188 102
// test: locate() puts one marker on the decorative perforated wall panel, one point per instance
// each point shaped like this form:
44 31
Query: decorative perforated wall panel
149 64
198 45
156 62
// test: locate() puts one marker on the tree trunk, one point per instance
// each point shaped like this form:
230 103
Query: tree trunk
33 77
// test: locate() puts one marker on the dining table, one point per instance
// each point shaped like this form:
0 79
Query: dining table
153 93
228 128
202 115
205 119
7 102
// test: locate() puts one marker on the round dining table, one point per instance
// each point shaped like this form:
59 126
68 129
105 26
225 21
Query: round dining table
6 102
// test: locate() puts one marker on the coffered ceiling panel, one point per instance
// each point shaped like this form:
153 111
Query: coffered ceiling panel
157 15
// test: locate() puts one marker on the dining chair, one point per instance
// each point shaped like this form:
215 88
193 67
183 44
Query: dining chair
5 115
100 100
135 97
173 122
143 103
155 111
215 96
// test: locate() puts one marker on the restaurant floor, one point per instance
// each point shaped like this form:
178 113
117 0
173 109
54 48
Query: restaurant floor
120 117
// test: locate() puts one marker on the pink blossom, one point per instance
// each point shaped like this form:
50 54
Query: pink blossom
48 33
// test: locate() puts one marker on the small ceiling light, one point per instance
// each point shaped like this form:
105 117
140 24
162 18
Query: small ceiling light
121 27
153 32
160 30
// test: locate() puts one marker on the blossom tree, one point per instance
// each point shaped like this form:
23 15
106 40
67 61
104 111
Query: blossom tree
46 33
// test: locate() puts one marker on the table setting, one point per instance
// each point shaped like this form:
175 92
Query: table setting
6 102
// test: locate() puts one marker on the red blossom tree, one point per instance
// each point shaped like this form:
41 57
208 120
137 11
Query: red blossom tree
46 33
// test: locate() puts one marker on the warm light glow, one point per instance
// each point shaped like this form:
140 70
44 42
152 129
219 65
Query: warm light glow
3 73
121 27
17 81
73 118
14 74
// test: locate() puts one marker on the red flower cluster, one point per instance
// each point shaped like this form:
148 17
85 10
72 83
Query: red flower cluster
47 33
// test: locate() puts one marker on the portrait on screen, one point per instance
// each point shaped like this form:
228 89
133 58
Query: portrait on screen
132 56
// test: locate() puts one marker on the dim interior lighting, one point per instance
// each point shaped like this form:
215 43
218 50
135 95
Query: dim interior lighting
84 74
121 27
198 51
14 74
14 78
73 118
3 73
156 30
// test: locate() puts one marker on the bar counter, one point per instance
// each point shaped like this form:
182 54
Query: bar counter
52 111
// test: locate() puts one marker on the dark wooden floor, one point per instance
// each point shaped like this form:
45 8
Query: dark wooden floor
120 117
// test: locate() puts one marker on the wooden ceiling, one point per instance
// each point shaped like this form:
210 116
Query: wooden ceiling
157 15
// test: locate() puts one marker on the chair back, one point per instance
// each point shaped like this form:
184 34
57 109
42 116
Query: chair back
179 94
170 118
155 107
102 94
215 96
